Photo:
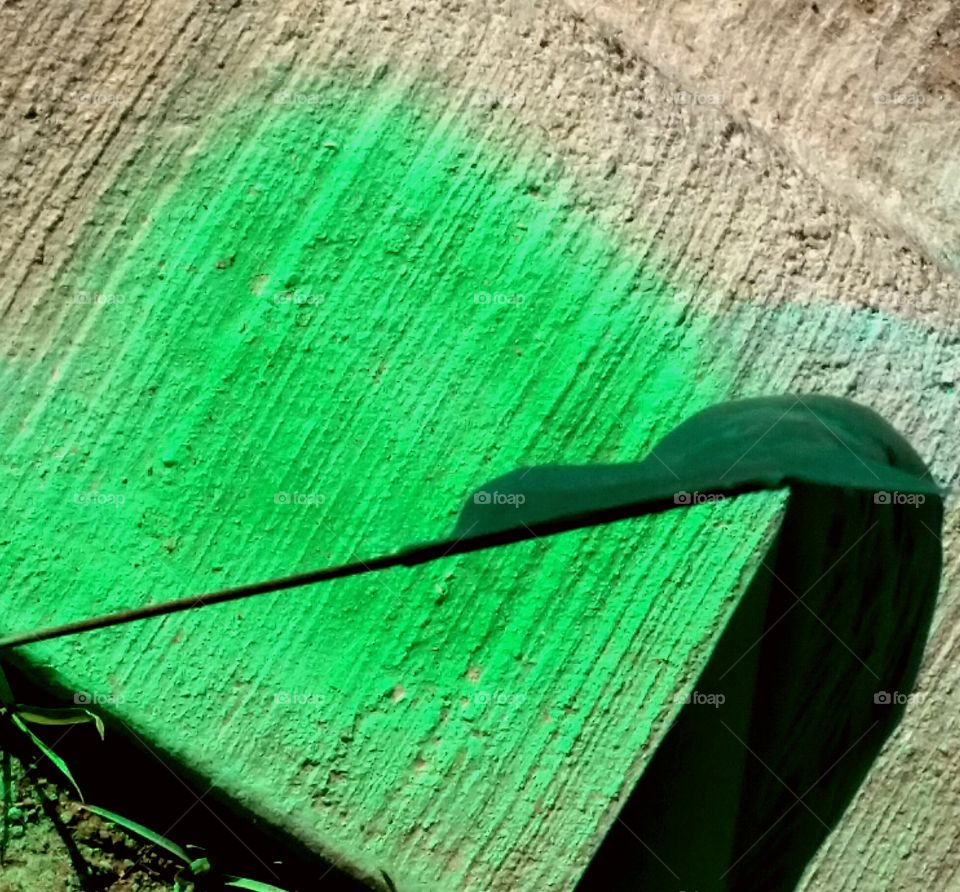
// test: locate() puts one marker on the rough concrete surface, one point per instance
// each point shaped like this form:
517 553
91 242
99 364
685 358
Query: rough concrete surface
308 248
865 96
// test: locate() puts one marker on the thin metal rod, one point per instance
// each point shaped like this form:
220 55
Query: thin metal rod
408 557
165 608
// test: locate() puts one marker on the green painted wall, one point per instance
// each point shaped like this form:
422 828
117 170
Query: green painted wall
303 339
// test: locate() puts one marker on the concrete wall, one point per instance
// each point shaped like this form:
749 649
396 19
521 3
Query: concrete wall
373 255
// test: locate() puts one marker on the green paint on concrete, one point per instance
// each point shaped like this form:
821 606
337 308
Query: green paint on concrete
303 340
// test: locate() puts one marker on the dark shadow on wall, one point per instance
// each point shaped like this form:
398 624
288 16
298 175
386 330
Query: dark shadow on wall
805 684
802 690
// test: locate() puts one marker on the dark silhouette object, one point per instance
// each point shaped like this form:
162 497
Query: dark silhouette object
813 667
811 675
813 671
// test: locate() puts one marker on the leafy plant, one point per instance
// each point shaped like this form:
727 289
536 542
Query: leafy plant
251 885
15 719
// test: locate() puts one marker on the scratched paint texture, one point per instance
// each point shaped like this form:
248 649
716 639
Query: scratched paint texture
305 342
775 285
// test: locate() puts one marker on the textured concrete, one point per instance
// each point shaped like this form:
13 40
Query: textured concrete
529 252
865 96
305 343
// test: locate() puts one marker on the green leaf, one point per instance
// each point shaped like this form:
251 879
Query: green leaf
49 753
252 885
199 867
67 715
6 695
145 832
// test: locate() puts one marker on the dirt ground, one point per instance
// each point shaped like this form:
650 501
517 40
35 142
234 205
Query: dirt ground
37 857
